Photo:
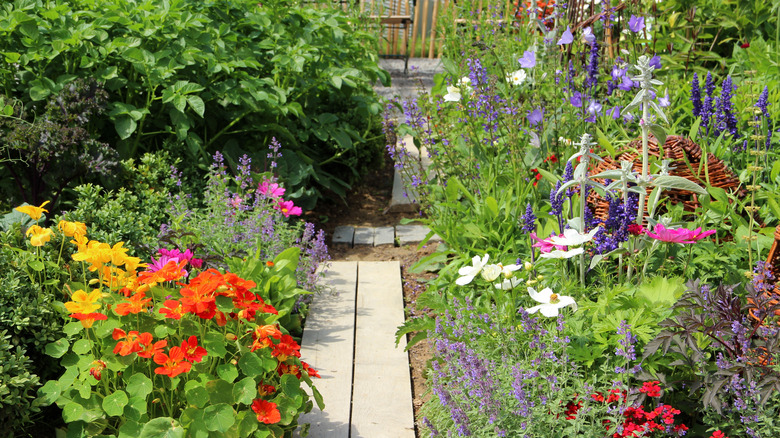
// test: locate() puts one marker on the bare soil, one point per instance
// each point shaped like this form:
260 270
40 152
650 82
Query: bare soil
366 205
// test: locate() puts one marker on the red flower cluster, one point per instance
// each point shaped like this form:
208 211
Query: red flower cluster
177 361
637 422
718 434
536 175
267 412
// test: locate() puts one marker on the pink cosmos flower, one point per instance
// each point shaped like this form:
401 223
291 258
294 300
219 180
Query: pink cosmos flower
544 245
167 255
288 209
679 235
272 190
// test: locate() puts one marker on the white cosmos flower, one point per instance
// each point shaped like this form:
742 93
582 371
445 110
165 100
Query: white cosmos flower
572 237
509 283
517 77
509 270
558 254
491 272
550 302
453 94
468 273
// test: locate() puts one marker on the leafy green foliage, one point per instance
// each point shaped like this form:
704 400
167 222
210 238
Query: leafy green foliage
17 386
220 74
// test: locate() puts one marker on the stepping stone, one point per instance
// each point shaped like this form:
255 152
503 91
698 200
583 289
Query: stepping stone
384 236
413 234
343 235
364 236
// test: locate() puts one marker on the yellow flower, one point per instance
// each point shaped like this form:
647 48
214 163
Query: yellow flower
34 212
82 302
73 229
39 235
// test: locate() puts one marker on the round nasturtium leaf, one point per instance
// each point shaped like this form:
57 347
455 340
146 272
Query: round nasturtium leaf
114 403
220 417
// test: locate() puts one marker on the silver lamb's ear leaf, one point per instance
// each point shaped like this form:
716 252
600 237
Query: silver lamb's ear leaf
566 186
535 142
658 132
659 111
652 201
635 103
679 183
612 174
575 223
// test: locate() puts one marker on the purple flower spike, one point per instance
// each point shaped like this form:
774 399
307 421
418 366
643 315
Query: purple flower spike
535 117
636 24
576 99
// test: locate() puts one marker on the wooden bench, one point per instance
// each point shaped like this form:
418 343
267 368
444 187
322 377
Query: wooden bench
396 19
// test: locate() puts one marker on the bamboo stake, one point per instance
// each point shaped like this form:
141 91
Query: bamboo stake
415 26
424 26
433 27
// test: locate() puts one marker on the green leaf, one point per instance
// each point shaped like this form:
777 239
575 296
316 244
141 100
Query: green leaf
251 365
197 105
694 131
214 343
131 429
39 92
318 398
162 427
658 132
125 126
679 183
492 205
50 392
605 143
220 391
198 396
57 348
227 372
82 346
290 385
114 403
36 265
225 304
245 390
72 411
139 385
220 417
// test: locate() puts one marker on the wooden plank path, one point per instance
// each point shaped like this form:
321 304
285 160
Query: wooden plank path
350 339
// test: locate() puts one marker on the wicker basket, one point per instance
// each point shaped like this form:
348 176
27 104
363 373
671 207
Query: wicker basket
686 158
773 260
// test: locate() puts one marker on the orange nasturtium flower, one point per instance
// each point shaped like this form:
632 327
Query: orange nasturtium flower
34 212
82 302
172 363
267 412
39 235
136 304
286 348
88 319
72 229
96 370
172 309
130 343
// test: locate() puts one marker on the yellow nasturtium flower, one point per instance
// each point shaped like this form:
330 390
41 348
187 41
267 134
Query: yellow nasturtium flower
39 235
82 302
34 212
73 229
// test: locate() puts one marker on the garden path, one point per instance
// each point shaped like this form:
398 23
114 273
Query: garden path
350 330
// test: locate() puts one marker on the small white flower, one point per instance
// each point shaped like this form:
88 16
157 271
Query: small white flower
572 237
550 302
509 283
491 272
509 270
469 272
453 94
558 254
517 78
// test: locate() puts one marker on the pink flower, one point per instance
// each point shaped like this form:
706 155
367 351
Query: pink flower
697 234
272 190
288 209
544 245
679 235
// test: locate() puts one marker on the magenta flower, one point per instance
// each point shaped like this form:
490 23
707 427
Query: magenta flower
272 190
545 245
679 235
288 209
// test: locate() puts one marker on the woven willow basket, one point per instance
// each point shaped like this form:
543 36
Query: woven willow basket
686 159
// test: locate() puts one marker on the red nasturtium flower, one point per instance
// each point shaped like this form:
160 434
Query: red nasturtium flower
310 371
136 304
192 351
267 412
87 319
172 363
264 390
283 369
286 348
96 370
148 348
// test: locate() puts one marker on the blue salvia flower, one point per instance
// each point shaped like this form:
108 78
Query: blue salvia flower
696 96
593 66
706 114
568 175
709 84
556 204
528 220
763 102
725 118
